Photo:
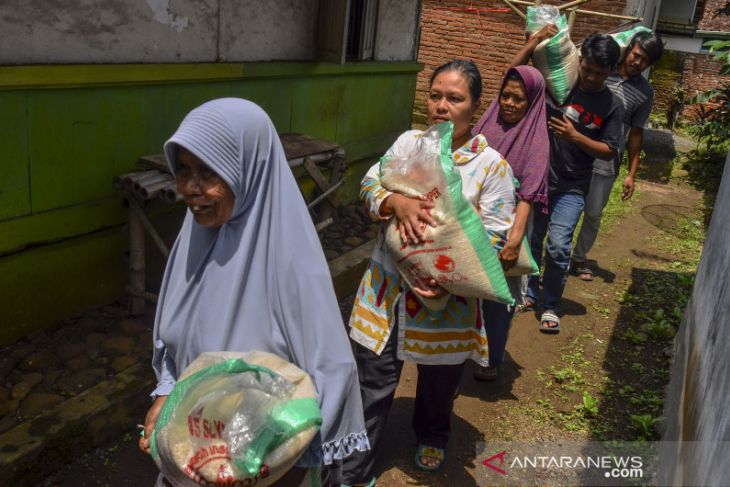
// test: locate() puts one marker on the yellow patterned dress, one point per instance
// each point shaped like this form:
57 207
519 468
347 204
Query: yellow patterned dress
456 333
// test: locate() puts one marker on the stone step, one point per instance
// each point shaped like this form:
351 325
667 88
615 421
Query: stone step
43 444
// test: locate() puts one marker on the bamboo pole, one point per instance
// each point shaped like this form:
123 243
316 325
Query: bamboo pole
515 9
571 19
572 4
588 12
147 224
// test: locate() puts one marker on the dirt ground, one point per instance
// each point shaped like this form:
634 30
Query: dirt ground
504 410
510 409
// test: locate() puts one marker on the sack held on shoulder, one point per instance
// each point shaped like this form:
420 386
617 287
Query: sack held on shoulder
557 57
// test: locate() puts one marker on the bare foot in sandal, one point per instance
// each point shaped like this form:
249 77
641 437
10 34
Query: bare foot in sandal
550 322
528 305
581 271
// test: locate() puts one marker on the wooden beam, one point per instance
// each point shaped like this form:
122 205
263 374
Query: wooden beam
571 19
515 9
319 179
588 12
574 3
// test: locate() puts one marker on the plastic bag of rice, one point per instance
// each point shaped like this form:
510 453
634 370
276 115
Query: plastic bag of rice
235 419
557 57
457 252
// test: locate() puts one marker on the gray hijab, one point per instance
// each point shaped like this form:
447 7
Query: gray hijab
260 281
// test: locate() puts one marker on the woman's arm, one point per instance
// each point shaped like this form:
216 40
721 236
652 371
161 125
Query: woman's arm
412 213
511 251
523 56
497 202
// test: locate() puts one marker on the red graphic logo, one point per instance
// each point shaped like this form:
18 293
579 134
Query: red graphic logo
444 263
489 462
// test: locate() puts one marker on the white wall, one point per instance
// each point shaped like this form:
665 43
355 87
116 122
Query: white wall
682 43
395 35
258 30
696 440
119 31
170 31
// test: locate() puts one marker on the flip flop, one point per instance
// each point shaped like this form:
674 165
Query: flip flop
582 271
369 484
547 317
431 452
487 374
528 305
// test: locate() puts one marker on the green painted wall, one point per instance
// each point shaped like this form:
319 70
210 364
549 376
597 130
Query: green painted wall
65 131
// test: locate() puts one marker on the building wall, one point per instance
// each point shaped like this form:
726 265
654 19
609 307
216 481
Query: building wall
685 66
491 39
175 31
694 445
87 87
398 20
720 23
66 131
156 31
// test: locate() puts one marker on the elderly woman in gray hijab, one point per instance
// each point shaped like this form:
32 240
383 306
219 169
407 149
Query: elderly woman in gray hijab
247 271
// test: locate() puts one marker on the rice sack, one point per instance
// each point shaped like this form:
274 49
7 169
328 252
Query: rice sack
235 419
557 57
624 38
525 264
456 253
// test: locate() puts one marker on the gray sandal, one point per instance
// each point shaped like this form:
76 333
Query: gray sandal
547 317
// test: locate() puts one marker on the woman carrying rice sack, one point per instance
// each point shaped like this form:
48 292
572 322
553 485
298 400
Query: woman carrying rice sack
515 125
235 282
388 323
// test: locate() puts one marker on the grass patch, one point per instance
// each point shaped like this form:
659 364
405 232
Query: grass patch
615 209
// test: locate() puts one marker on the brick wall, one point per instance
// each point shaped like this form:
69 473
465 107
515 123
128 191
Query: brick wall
721 23
693 72
490 39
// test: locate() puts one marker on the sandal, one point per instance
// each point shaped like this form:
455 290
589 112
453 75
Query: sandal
548 317
487 374
369 484
528 305
430 452
582 271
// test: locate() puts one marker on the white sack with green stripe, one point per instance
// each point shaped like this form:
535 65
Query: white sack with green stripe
457 253
235 419
557 57
624 38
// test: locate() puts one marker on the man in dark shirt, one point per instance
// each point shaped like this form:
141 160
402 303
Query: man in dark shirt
587 126
637 97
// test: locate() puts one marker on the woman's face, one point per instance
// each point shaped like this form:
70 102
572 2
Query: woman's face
449 99
206 194
513 101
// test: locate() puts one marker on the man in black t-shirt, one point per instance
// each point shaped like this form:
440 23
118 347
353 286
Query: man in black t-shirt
637 96
585 127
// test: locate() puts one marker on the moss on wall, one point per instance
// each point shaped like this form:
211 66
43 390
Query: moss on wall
67 130
666 74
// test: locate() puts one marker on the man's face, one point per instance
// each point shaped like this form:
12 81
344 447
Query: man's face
591 76
637 60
